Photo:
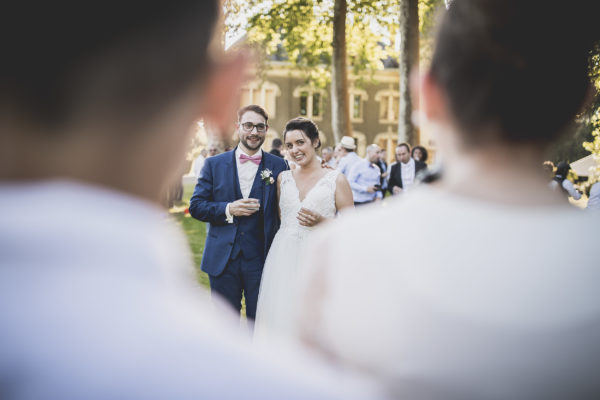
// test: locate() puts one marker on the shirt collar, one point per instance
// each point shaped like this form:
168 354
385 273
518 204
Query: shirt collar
239 151
409 163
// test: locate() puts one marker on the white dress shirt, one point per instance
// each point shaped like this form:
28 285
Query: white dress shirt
408 173
246 175
347 162
246 171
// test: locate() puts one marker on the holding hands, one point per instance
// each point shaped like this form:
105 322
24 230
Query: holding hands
308 217
244 207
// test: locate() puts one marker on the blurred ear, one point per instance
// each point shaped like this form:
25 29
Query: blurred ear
221 95
432 99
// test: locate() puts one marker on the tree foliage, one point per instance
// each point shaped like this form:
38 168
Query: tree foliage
301 31
592 119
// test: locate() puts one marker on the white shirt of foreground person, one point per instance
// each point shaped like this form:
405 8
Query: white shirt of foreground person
98 301
483 301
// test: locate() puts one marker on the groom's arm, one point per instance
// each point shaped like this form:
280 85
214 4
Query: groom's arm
202 204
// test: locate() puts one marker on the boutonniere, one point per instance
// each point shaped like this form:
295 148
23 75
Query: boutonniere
267 176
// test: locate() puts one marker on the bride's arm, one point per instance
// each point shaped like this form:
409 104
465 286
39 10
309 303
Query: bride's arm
343 193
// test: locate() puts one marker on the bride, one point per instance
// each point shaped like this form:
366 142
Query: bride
308 195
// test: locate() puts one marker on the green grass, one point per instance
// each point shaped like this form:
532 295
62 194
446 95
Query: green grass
194 230
196 234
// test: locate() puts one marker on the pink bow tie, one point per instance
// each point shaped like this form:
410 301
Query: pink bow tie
255 159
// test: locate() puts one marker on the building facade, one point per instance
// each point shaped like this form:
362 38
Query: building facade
374 105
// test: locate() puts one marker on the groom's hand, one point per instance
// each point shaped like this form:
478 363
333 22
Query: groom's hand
243 207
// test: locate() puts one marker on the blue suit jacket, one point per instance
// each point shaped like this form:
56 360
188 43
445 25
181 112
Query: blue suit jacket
219 185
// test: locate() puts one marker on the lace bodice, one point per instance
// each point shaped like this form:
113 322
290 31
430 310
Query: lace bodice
320 198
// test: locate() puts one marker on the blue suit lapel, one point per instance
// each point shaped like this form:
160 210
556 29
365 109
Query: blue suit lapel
237 191
265 164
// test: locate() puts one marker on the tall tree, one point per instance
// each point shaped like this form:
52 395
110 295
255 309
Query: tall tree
409 61
340 108
324 38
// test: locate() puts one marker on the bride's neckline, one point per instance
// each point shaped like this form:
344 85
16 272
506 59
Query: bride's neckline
312 187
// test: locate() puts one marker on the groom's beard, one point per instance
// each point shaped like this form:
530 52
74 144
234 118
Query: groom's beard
255 147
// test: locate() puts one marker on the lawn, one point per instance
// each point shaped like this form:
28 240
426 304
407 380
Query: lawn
194 230
196 233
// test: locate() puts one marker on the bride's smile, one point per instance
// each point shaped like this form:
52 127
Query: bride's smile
300 148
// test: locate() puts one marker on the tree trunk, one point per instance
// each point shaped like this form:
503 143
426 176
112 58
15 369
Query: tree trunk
409 61
340 110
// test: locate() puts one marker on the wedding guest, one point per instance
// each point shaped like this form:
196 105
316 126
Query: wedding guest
327 154
213 150
484 302
365 178
348 156
276 146
98 297
419 153
548 167
404 171
337 150
199 162
560 182
594 199
383 167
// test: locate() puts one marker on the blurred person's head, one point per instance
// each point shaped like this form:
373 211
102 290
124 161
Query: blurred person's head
562 170
403 153
548 167
327 154
204 153
301 137
337 151
382 154
213 150
252 127
492 76
276 144
347 145
373 153
107 93
419 153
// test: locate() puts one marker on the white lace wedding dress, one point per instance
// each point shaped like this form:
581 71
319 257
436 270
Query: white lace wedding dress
279 280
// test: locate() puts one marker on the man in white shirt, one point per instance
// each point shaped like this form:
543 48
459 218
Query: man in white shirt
237 196
348 156
404 172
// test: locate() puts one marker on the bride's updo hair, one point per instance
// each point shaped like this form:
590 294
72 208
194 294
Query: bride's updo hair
515 70
305 125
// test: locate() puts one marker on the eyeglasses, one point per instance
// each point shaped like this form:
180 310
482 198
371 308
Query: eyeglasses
249 126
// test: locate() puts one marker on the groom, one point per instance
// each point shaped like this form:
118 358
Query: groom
236 194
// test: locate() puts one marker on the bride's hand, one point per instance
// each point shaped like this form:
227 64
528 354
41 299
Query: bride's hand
308 218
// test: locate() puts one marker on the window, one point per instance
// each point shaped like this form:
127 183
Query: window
389 106
263 94
356 106
304 103
311 104
316 110
357 100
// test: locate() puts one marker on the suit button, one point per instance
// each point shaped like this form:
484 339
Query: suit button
230 243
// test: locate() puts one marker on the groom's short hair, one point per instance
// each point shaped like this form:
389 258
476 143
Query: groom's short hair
254 108
105 60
